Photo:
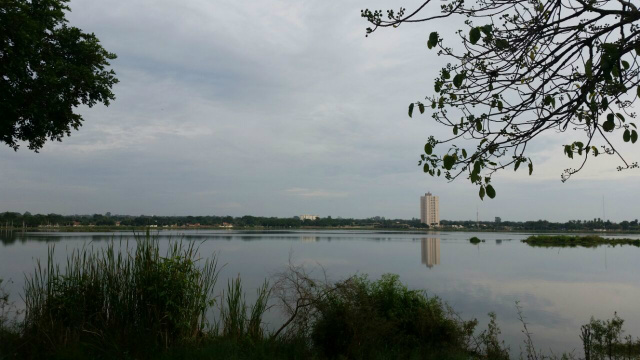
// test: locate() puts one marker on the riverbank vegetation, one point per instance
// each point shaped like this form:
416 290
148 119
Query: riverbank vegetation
133 301
577 241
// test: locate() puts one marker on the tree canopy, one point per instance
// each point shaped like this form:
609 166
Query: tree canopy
522 68
47 70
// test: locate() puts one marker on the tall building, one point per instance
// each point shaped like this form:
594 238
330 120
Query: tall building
430 210
430 251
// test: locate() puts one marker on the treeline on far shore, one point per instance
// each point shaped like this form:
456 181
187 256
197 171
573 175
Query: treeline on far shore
17 220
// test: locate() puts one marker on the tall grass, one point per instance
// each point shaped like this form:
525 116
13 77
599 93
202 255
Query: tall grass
121 298
240 321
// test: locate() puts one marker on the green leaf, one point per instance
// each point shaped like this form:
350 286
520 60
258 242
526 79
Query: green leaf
625 64
448 161
502 44
425 168
500 105
605 103
530 168
479 125
474 35
491 192
464 153
455 129
481 193
608 125
568 151
515 168
433 40
638 90
626 136
457 80
486 29
634 136
428 149
476 167
421 108
588 68
411 110
620 117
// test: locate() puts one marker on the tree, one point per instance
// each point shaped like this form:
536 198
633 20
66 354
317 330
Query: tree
524 68
47 69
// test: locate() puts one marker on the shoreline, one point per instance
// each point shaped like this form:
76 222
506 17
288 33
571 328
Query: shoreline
119 229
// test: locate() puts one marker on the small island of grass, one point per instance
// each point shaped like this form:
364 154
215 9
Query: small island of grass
587 241
475 240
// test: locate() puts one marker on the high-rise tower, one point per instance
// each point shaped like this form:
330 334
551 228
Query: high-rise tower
430 210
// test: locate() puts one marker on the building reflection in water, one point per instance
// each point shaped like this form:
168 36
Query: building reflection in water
430 251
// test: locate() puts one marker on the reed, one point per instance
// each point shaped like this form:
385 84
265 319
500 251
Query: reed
240 321
121 298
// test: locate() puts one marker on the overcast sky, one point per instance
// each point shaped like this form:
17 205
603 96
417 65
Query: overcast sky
277 108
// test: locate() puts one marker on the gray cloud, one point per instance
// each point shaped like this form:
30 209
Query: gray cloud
272 108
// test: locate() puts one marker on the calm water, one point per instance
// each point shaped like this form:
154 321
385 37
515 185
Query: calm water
559 289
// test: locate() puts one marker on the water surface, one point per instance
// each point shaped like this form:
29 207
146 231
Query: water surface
558 289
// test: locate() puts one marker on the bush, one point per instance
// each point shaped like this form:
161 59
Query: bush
364 319
475 240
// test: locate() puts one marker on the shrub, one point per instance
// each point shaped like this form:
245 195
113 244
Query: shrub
475 240
361 319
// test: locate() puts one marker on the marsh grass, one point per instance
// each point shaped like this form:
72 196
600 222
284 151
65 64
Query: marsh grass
575 241
120 299
238 320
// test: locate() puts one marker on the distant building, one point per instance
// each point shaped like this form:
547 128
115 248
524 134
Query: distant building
309 217
430 210
498 220
430 252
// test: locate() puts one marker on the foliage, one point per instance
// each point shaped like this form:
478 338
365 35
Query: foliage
528 68
475 240
48 69
361 318
121 299
602 339
573 241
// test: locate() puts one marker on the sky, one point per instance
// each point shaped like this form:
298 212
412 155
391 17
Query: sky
279 108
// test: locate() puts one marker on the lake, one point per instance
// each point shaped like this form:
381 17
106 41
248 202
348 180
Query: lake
559 289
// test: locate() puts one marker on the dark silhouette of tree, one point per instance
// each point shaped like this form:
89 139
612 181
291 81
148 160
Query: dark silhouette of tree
47 69
527 67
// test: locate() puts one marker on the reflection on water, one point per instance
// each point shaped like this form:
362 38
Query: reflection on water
430 251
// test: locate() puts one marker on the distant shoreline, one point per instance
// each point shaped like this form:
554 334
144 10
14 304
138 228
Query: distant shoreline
120 229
